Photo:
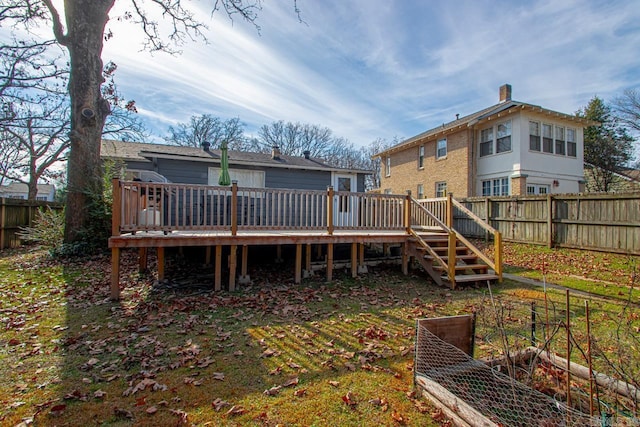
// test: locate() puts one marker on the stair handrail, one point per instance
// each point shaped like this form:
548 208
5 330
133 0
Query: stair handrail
424 244
496 263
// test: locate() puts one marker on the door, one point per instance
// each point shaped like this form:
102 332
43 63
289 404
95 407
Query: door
345 206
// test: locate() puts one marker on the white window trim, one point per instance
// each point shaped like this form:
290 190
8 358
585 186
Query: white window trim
387 166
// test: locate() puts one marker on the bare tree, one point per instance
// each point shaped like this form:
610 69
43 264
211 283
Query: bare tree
208 129
36 135
82 32
293 139
627 109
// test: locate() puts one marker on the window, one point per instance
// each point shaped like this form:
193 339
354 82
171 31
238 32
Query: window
495 187
421 157
441 189
547 138
486 188
42 198
534 136
486 142
441 150
420 191
560 140
535 189
503 137
572 149
244 177
387 168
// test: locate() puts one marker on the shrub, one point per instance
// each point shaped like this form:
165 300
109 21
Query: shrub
47 229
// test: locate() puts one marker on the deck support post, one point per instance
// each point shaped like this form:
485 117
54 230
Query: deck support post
329 262
497 242
319 252
142 260
362 267
115 274
449 219
298 267
217 284
244 277
233 265
407 212
160 252
207 255
405 259
354 260
279 254
385 250
307 272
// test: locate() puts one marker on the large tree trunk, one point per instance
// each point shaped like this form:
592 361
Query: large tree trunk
86 20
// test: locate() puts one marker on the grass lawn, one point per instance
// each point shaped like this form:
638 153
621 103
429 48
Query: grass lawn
273 353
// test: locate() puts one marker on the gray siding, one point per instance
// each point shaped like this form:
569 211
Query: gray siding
297 179
190 172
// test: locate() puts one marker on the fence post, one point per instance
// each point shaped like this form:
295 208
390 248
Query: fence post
234 208
549 221
116 207
330 210
407 212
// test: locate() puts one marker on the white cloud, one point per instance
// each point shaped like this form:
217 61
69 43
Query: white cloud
369 69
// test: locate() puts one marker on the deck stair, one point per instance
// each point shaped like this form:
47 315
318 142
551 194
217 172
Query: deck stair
445 254
429 248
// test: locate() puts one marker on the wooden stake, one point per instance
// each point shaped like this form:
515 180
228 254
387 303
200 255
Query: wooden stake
354 260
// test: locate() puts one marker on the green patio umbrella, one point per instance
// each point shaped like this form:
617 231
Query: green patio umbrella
224 179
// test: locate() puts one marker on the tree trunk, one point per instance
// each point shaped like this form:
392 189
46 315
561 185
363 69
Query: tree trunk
86 20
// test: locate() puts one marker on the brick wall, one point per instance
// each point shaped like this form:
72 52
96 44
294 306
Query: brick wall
454 169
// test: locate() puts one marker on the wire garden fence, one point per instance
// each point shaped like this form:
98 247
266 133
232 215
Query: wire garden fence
522 382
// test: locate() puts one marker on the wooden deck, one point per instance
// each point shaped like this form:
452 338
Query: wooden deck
154 215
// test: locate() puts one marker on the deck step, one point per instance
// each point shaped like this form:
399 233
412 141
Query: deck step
462 267
465 257
464 278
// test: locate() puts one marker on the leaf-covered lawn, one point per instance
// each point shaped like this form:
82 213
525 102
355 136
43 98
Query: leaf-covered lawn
273 353
607 274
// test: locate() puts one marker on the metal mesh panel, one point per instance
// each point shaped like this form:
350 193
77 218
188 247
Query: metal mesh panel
501 399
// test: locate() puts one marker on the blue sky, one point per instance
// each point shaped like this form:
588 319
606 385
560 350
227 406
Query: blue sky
372 69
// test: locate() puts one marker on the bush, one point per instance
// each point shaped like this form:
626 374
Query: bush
47 229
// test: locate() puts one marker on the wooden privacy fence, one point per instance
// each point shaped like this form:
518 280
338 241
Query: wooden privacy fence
604 222
17 213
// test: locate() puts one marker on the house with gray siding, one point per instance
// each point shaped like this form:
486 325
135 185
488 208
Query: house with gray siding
190 165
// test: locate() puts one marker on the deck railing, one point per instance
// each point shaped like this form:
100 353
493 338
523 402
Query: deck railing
145 206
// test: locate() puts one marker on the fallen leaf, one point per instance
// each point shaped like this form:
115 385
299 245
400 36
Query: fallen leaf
58 410
218 376
122 413
292 382
151 410
334 383
99 394
349 399
398 418
236 410
273 391
300 392
219 404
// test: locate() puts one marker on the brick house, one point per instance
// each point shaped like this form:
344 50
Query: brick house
510 148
